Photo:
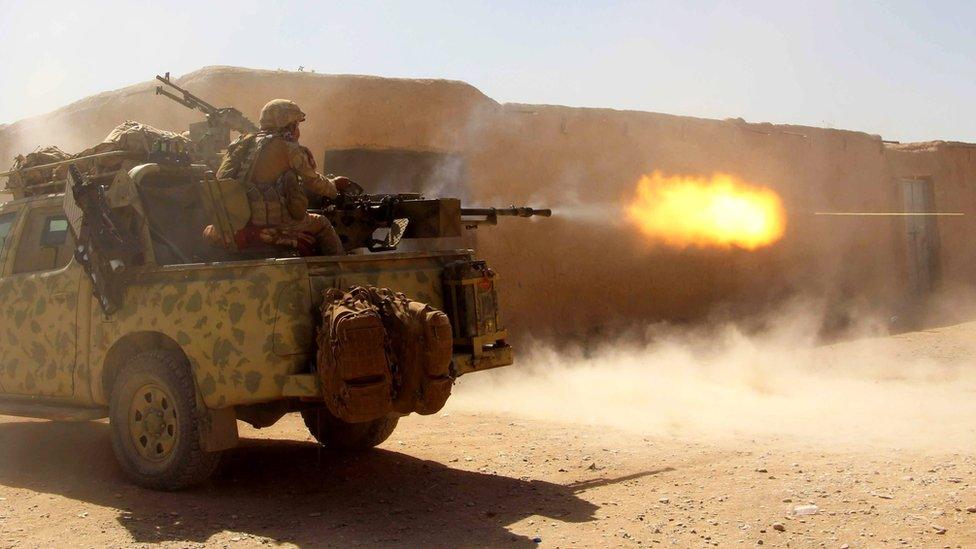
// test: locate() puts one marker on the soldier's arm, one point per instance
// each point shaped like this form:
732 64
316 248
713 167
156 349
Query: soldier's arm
303 163
226 169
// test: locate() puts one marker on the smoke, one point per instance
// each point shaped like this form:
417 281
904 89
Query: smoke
569 205
724 384
445 178
596 214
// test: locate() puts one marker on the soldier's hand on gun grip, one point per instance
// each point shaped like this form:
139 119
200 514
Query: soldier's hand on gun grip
342 183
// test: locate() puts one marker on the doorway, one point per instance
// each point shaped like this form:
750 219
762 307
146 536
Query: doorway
922 235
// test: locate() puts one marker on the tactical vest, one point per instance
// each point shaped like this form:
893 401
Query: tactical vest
272 204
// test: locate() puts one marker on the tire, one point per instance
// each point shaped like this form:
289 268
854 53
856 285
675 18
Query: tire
335 434
154 423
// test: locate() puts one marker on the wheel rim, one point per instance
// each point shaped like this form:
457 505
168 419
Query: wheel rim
152 422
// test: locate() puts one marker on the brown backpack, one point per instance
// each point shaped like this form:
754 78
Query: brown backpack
422 344
354 363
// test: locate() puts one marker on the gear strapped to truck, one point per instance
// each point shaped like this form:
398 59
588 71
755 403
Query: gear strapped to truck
380 352
422 350
354 362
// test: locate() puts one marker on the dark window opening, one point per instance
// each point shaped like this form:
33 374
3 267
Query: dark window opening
400 171
55 231
44 244
6 223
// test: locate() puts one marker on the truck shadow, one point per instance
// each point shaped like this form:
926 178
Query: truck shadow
292 491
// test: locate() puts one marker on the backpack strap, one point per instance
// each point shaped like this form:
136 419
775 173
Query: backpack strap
261 140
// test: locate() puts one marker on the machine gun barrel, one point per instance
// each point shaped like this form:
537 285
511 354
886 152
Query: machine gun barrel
227 116
489 216
188 100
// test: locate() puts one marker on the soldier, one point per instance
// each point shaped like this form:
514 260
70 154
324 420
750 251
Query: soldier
275 171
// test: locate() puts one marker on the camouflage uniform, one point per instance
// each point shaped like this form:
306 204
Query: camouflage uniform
276 170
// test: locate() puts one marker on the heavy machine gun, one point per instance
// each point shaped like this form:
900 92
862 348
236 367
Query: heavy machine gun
357 217
213 135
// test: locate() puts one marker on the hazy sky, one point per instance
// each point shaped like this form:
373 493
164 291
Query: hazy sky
905 70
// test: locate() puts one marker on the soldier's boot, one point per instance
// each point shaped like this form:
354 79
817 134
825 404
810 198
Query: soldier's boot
328 240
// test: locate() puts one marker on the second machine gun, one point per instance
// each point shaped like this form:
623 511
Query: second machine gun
357 217
211 136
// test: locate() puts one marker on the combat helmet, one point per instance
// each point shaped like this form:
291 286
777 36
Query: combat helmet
279 113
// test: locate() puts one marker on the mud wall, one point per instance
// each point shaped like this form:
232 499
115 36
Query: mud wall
585 271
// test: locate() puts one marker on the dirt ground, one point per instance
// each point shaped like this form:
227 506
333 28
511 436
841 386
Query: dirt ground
462 478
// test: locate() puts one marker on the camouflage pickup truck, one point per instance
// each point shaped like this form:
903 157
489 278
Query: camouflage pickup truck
185 339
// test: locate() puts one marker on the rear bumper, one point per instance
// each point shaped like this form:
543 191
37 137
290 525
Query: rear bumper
490 357
307 386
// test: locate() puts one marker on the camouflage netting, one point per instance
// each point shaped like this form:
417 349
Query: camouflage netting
40 157
130 136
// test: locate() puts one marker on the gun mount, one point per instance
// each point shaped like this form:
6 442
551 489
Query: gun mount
212 135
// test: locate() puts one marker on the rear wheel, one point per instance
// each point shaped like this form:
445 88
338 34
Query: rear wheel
154 420
338 435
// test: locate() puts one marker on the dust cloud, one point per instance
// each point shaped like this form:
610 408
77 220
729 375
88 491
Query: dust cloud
724 383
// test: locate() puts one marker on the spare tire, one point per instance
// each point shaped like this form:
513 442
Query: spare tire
333 433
